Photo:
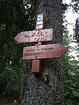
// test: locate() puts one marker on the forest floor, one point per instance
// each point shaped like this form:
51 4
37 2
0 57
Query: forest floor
6 102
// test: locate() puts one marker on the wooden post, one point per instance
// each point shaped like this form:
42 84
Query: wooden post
36 64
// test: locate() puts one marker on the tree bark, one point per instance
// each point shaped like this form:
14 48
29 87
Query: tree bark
76 36
47 89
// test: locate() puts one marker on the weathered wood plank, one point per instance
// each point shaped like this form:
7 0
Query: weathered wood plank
35 36
44 51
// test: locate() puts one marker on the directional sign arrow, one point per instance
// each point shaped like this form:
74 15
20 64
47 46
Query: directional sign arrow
34 36
44 51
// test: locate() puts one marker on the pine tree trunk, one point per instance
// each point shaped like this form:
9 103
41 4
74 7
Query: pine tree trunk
47 89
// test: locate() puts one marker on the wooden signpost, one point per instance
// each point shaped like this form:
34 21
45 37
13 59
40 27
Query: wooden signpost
39 51
35 36
43 51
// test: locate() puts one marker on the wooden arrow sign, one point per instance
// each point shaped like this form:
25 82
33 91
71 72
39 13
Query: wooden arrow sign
34 36
43 51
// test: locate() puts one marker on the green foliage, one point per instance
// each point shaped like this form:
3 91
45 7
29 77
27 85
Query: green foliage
14 18
71 76
10 79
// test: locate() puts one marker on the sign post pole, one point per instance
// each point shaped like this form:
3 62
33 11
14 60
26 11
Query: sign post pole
37 64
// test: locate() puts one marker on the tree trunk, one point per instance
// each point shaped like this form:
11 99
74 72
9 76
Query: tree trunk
47 89
77 29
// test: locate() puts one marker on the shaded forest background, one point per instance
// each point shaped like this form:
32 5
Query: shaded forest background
17 16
